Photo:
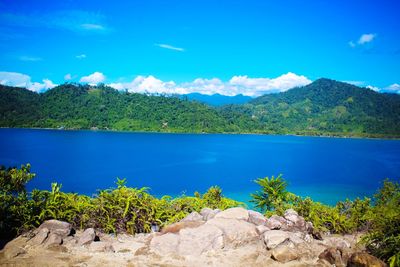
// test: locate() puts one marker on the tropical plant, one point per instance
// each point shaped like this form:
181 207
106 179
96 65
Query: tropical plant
273 195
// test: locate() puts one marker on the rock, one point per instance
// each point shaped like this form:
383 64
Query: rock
337 242
70 241
14 248
236 232
196 241
284 253
87 237
333 256
237 213
256 218
297 238
309 227
63 229
54 239
208 213
317 235
294 221
261 229
40 237
176 227
165 244
276 222
194 216
101 247
275 237
362 259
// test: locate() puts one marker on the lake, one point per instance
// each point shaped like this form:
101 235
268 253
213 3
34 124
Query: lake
326 169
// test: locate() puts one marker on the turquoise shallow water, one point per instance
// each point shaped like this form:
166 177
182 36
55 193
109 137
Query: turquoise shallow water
327 169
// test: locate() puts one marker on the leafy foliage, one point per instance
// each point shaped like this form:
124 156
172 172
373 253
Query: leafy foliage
383 238
325 107
378 218
120 209
273 195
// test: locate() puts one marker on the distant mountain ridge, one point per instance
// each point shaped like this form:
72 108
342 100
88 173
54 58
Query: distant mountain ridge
324 107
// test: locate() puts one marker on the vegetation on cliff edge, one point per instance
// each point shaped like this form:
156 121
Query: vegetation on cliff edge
133 210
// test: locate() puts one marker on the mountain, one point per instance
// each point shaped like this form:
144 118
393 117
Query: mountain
84 107
217 99
324 107
327 106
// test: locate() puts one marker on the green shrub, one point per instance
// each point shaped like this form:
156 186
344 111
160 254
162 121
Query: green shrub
121 209
383 237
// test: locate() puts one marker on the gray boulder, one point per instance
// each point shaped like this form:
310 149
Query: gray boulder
276 222
196 241
165 244
237 213
256 218
294 221
285 253
261 229
208 213
274 238
54 239
333 256
236 232
40 237
87 237
193 217
63 229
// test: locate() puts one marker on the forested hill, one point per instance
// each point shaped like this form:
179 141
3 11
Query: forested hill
327 106
324 107
84 107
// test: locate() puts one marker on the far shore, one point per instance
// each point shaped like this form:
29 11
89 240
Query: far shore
208 133
205 133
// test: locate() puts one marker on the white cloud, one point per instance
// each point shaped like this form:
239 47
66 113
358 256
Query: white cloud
82 56
93 79
73 20
373 88
236 85
366 38
22 80
394 88
27 58
170 47
259 86
92 27
68 77
149 84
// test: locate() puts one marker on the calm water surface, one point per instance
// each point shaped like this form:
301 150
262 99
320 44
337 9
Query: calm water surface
327 169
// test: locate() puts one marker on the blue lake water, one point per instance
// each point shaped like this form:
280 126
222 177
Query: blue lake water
326 169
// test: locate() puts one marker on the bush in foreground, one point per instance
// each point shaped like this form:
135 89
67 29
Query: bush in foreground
121 209
378 218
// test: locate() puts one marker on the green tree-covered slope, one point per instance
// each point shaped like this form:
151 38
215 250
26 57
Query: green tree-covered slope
324 107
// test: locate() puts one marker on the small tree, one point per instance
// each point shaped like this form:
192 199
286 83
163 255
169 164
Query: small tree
273 194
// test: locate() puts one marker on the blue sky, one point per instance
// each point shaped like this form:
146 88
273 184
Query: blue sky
228 47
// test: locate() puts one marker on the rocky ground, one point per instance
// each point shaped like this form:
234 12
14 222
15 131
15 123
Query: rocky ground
234 237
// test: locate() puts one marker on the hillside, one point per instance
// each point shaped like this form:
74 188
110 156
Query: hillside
84 107
324 107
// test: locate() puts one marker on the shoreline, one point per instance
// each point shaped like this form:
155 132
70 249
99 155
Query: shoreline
210 133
